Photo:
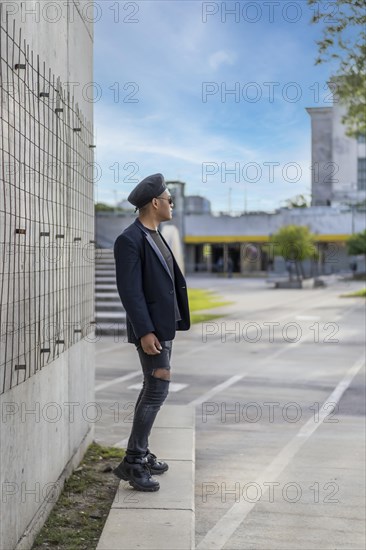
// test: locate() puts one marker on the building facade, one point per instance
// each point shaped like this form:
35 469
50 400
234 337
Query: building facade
210 241
338 161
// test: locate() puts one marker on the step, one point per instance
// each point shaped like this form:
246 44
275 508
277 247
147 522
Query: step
162 520
110 329
104 288
107 296
105 261
109 306
104 251
110 317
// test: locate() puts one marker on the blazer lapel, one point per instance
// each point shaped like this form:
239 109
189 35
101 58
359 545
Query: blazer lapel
151 242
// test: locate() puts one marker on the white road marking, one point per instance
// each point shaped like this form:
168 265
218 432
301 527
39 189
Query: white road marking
117 380
173 387
217 389
218 536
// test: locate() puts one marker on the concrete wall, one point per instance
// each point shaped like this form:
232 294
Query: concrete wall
45 421
321 220
321 155
47 234
345 154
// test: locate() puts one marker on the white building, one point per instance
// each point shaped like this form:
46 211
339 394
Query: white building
338 161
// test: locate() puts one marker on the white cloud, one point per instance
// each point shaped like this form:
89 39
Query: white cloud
221 57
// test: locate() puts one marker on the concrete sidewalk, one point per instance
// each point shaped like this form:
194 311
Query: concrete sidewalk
164 519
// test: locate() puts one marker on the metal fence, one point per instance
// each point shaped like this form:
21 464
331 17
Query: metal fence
46 214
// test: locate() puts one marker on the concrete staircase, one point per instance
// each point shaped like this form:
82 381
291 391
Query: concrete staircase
110 316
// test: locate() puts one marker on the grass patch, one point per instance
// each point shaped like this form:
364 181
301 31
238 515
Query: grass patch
204 299
200 299
78 517
359 293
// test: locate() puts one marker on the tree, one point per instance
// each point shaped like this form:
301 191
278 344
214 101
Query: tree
356 244
294 243
103 207
344 39
297 202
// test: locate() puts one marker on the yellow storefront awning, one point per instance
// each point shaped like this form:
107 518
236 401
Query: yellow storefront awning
219 239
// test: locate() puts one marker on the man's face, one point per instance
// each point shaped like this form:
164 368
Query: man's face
165 209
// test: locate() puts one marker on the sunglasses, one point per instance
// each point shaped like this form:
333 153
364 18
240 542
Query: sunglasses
166 199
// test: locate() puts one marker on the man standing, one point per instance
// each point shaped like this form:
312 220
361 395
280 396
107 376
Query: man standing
154 294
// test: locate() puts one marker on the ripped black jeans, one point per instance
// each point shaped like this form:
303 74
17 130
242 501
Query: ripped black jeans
152 395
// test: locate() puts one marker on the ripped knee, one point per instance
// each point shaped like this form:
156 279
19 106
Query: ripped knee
163 374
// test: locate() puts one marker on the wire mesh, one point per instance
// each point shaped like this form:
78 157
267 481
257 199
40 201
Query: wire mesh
46 214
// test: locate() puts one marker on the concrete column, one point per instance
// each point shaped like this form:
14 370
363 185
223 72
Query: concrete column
242 251
226 257
209 260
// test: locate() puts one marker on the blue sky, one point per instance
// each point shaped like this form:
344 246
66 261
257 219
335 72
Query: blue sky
163 67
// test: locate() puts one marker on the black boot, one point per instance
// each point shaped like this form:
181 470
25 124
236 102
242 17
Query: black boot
138 474
156 466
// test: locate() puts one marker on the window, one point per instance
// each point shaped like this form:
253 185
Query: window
361 174
361 138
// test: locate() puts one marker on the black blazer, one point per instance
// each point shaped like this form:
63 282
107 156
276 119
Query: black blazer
146 288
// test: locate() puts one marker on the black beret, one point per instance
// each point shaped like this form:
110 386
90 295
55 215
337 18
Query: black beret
146 190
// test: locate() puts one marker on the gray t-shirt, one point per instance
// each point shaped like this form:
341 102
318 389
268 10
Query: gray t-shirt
169 260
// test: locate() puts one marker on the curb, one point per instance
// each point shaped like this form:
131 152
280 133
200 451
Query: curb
164 519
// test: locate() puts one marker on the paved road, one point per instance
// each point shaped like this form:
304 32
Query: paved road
278 387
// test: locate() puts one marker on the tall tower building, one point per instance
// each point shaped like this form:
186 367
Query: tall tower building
338 161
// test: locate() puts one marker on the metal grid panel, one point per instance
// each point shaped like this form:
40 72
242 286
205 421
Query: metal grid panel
46 214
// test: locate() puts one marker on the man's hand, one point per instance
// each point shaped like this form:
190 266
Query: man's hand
150 344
